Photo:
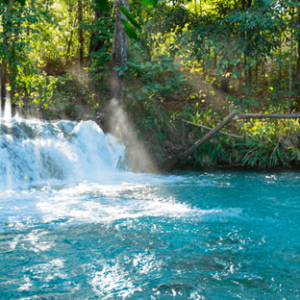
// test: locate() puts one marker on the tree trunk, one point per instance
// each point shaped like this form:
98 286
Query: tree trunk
215 59
1 84
297 77
80 34
200 8
250 75
280 53
256 70
70 42
17 43
245 70
96 43
119 54
226 79
247 53
6 62
291 58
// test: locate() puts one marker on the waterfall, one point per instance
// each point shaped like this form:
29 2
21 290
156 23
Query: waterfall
34 152
7 108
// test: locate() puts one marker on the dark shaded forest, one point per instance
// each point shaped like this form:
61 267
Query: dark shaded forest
163 62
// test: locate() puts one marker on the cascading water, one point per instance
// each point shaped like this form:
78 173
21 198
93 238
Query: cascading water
7 107
73 225
34 152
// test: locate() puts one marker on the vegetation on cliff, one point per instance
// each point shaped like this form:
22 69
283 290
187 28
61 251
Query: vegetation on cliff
193 60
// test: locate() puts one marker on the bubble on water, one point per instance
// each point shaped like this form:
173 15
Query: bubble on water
112 281
26 286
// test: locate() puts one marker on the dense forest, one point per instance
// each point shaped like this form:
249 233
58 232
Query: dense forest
163 62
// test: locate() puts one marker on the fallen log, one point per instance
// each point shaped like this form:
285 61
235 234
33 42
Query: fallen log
208 128
266 116
173 163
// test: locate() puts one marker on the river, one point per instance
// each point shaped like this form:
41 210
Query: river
75 226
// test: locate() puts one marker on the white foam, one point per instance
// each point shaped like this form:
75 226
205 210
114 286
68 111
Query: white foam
93 203
112 279
34 152
26 286
68 171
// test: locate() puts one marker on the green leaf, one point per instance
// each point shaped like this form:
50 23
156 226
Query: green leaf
147 2
154 2
22 2
131 33
130 17
103 4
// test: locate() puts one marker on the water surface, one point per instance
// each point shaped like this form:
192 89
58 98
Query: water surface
113 234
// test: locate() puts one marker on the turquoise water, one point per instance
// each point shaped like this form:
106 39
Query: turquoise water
192 235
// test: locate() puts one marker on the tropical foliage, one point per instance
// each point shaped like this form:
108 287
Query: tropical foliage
187 59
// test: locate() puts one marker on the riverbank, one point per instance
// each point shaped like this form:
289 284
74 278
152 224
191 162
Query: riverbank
268 145
155 120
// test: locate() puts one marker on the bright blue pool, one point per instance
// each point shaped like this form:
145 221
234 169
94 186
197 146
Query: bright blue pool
190 235
219 235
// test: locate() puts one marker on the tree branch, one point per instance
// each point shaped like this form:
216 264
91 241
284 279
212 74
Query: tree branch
171 165
208 128
233 116
266 116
